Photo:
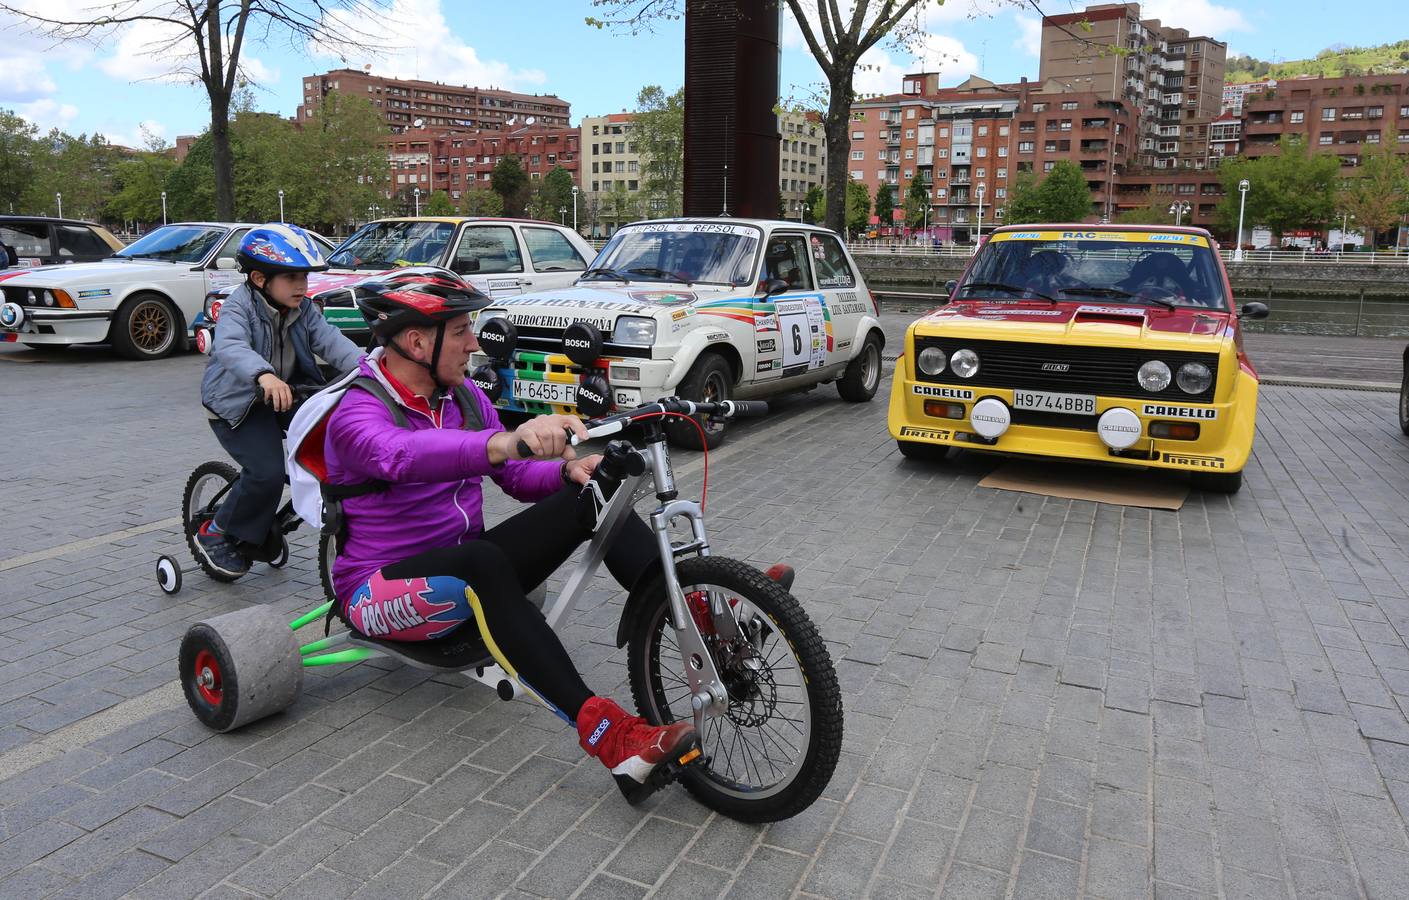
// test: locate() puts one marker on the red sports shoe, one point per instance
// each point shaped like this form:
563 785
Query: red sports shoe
642 757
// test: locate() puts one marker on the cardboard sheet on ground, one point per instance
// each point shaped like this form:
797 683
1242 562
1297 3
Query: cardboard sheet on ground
1103 484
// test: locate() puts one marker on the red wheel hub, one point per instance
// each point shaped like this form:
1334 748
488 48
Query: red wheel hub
207 678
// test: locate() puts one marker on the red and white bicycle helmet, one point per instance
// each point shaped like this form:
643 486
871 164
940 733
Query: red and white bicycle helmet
416 296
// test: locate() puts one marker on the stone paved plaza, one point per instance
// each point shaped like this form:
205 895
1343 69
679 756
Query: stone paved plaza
1044 698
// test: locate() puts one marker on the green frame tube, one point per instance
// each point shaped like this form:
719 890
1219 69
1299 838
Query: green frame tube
303 620
350 655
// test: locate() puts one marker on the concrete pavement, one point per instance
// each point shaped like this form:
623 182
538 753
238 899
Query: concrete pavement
1043 697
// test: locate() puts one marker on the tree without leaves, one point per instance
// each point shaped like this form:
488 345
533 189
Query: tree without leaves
205 38
1377 193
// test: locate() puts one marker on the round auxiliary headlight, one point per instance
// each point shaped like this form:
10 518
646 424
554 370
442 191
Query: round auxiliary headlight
1153 376
964 363
931 360
1194 378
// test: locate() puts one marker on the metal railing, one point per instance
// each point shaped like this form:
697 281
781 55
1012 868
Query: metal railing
1367 258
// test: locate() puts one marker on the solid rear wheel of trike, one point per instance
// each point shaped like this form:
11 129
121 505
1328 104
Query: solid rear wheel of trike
773 753
204 490
239 667
709 380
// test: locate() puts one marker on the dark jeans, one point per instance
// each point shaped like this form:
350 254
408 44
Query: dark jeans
511 559
248 510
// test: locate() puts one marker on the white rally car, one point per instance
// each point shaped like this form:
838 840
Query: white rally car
704 309
144 300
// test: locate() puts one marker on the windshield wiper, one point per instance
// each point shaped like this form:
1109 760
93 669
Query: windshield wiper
1010 288
605 271
652 272
1095 292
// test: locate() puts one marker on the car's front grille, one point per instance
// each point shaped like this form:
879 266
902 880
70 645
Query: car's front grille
1069 369
550 340
25 296
1053 420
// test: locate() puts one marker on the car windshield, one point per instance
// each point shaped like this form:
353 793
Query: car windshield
175 243
680 252
1137 267
388 245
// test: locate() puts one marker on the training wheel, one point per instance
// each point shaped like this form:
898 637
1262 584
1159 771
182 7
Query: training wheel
282 559
168 574
239 667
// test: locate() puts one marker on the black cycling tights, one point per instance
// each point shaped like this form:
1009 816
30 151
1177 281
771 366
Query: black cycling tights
426 596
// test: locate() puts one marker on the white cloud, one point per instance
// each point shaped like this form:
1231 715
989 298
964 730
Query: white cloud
47 113
1200 17
418 43
1029 36
127 136
879 73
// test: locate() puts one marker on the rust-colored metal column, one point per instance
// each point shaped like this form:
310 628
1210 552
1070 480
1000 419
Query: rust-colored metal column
732 69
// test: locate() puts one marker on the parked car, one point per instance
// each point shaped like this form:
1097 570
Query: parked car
43 241
1109 343
143 300
706 309
501 257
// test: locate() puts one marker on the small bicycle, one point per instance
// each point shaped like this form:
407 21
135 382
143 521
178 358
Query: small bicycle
206 488
707 638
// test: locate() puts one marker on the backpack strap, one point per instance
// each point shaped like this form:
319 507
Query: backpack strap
374 387
471 420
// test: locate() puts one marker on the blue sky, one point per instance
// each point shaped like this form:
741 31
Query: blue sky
119 86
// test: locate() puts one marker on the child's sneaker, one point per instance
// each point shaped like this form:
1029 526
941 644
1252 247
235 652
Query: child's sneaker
641 756
218 553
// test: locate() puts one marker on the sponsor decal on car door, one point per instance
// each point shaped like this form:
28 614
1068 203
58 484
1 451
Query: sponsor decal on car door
490 257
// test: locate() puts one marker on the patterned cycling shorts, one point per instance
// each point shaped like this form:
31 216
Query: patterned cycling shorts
409 609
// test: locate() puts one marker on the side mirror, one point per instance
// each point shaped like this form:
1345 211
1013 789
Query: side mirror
1255 310
774 286
226 264
949 287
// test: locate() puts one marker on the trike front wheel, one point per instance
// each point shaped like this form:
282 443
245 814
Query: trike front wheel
774 751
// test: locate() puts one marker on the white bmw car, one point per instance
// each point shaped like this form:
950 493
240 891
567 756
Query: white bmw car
144 300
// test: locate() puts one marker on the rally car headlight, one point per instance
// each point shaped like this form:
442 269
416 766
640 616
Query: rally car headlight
1153 376
638 330
931 360
964 363
1194 378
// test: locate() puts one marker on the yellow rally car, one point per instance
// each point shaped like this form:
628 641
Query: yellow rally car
1117 344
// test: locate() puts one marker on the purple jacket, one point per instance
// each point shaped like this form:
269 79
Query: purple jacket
434 500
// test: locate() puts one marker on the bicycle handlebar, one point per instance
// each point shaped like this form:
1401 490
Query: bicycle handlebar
726 409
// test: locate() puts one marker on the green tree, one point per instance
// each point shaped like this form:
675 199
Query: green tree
510 182
1064 194
858 207
1377 194
884 205
814 203
139 182
555 195
191 185
78 167
17 158
658 129
1292 188
917 198
204 39
481 202
438 205
264 165
1024 200
344 162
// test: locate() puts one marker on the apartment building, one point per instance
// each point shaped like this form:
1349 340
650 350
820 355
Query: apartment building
458 161
1172 80
413 104
1335 115
967 144
802 159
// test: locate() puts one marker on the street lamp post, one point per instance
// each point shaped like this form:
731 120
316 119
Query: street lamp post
797 204
416 193
1242 202
562 215
979 233
574 208
1346 219
59 199
281 204
163 207
1177 210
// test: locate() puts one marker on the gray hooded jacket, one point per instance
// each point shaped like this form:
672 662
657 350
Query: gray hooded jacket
248 337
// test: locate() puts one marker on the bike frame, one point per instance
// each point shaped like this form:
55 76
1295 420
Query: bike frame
709 697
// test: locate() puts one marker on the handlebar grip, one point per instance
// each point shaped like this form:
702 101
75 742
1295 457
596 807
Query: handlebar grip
748 407
523 450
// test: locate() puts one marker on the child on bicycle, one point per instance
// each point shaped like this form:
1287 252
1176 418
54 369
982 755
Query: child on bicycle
268 339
